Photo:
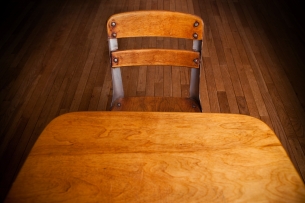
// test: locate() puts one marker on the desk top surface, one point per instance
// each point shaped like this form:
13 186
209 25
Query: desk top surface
157 157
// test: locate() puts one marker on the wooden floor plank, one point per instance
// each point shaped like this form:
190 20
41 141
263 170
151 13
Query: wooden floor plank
231 95
277 75
9 131
31 112
11 40
215 44
213 99
260 71
240 60
30 66
80 52
223 102
40 83
280 96
94 36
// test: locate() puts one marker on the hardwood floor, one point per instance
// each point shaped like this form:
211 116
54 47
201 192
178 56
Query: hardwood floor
54 60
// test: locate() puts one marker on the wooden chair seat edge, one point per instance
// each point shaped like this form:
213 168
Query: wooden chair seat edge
156 104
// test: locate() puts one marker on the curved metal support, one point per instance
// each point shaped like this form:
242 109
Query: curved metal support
113 44
194 83
117 84
195 73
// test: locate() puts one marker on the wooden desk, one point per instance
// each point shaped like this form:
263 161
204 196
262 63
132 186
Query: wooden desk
157 157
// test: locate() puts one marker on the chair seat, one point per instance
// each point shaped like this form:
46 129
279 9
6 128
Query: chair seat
168 104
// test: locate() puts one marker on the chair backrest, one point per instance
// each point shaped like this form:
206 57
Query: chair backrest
155 24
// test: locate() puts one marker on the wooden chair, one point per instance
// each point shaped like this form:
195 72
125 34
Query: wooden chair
155 24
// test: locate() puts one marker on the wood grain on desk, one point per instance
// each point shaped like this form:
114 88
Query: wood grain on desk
157 157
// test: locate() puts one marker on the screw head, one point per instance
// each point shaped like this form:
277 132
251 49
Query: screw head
113 24
115 60
195 35
114 34
196 24
196 61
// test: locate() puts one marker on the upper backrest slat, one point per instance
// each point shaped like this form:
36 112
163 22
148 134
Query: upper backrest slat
155 24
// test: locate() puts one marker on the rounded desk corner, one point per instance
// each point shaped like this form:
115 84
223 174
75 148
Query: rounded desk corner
248 117
64 115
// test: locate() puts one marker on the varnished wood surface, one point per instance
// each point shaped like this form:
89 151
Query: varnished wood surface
161 23
54 59
157 157
156 104
149 57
